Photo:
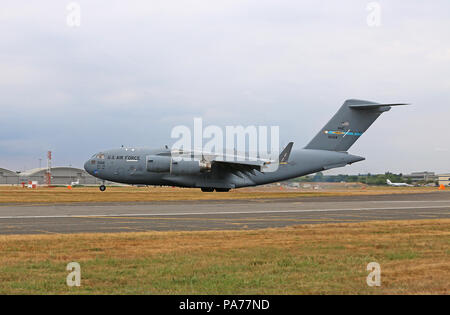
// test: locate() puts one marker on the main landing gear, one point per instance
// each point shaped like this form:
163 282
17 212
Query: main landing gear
222 189
102 187
211 189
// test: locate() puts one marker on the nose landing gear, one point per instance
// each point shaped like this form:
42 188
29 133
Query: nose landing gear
102 187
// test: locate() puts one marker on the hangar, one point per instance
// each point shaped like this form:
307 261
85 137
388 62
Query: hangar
60 176
8 177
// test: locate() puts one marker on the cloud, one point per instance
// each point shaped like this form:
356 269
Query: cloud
133 70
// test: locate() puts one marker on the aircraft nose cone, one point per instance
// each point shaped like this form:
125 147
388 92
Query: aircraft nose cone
87 166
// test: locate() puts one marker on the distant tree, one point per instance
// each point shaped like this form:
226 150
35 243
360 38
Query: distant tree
318 177
352 179
303 179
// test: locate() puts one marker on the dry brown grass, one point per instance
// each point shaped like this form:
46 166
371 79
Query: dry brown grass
9 194
329 258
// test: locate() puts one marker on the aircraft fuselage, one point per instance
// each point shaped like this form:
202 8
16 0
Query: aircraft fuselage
130 166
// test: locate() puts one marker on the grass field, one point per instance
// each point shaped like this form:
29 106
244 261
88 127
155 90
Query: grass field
10 194
308 259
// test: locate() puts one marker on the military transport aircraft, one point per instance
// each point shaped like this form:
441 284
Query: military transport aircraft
327 150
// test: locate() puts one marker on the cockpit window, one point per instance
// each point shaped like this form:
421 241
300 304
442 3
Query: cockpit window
100 156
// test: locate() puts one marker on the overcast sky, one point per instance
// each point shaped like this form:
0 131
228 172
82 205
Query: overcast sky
133 70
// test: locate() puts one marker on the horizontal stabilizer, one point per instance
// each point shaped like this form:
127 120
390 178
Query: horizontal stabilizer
372 106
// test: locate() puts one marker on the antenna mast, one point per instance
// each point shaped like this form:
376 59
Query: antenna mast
48 178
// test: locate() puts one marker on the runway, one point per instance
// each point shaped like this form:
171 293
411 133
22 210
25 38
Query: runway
218 215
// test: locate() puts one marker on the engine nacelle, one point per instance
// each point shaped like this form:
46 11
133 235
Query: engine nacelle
188 167
176 166
158 164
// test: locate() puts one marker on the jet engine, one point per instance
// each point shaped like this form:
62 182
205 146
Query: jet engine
176 166
189 167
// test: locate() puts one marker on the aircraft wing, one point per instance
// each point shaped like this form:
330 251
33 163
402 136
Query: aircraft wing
240 166
258 165
238 163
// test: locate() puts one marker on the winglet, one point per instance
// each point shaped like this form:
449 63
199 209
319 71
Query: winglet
284 155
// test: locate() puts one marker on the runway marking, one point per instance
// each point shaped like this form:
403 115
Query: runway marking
149 203
216 213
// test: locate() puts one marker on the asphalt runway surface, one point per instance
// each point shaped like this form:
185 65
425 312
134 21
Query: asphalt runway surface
218 215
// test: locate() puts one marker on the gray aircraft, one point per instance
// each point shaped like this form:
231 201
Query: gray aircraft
327 150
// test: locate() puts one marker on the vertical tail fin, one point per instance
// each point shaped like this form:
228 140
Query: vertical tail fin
347 125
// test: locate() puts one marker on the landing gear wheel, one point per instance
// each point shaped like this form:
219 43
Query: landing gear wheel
102 187
207 189
222 189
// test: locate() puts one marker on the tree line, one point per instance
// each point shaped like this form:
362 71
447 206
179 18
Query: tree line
370 179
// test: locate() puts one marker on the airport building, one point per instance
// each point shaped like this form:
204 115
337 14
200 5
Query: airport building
8 177
444 179
421 176
59 176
